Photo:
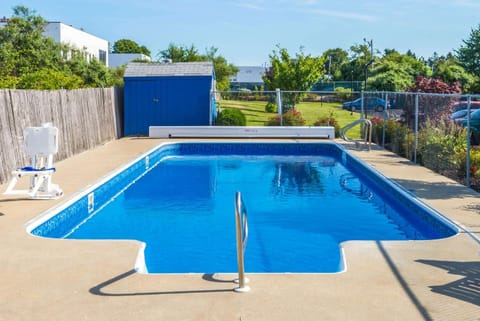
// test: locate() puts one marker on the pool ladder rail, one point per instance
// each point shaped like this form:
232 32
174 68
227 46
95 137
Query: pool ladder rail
367 133
241 224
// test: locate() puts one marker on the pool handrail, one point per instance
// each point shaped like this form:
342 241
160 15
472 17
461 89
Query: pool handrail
241 224
367 127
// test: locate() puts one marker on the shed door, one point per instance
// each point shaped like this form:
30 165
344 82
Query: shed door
144 105
188 101
158 103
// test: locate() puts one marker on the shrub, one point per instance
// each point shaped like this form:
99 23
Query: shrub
290 118
231 117
395 134
398 137
287 106
343 93
439 144
461 174
274 121
44 79
9 82
377 130
329 121
461 158
271 107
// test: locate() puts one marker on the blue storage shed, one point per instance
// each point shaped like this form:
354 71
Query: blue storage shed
168 94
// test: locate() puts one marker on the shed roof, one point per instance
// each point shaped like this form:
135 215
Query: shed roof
140 69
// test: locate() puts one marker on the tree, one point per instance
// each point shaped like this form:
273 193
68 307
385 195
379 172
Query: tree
361 58
28 59
469 53
117 76
297 73
93 73
49 79
435 85
129 46
392 77
396 72
24 48
97 75
223 70
180 53
334 60
449 70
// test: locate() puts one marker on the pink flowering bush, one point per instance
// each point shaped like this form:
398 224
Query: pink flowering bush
329 121
290 118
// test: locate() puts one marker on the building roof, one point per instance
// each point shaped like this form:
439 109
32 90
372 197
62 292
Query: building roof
249 74
139 69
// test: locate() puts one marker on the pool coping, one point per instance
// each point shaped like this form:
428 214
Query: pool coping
46 279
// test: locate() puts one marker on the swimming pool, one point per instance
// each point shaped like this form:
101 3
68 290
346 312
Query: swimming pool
303 200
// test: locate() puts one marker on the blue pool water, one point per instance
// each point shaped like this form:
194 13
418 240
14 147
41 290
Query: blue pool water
302 201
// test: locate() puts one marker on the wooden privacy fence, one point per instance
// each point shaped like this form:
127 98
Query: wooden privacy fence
85 119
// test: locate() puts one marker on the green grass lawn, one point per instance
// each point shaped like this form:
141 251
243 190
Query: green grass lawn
256 115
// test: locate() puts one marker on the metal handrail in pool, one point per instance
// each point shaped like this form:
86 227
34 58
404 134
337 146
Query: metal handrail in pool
241 224
367 132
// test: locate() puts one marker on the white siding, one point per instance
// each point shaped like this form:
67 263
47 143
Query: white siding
119 59
78 39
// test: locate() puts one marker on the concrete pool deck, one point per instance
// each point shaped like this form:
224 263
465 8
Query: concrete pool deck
50 279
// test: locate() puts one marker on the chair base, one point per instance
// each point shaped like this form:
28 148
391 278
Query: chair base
40 186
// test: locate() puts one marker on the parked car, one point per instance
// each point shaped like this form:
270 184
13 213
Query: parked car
474 125
460 114
460 105
371 103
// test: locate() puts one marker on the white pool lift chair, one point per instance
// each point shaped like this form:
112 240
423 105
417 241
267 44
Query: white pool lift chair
41 143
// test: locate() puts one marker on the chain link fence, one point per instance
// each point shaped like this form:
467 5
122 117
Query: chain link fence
438 131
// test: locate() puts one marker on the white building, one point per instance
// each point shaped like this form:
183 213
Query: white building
247 77
79 39
92 45
119 59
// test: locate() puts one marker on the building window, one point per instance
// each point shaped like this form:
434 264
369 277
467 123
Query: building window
102 56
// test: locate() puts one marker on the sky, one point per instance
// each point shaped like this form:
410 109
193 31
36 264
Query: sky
247 31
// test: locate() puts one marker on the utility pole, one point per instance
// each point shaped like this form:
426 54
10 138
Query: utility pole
329 67
368 62
370 45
